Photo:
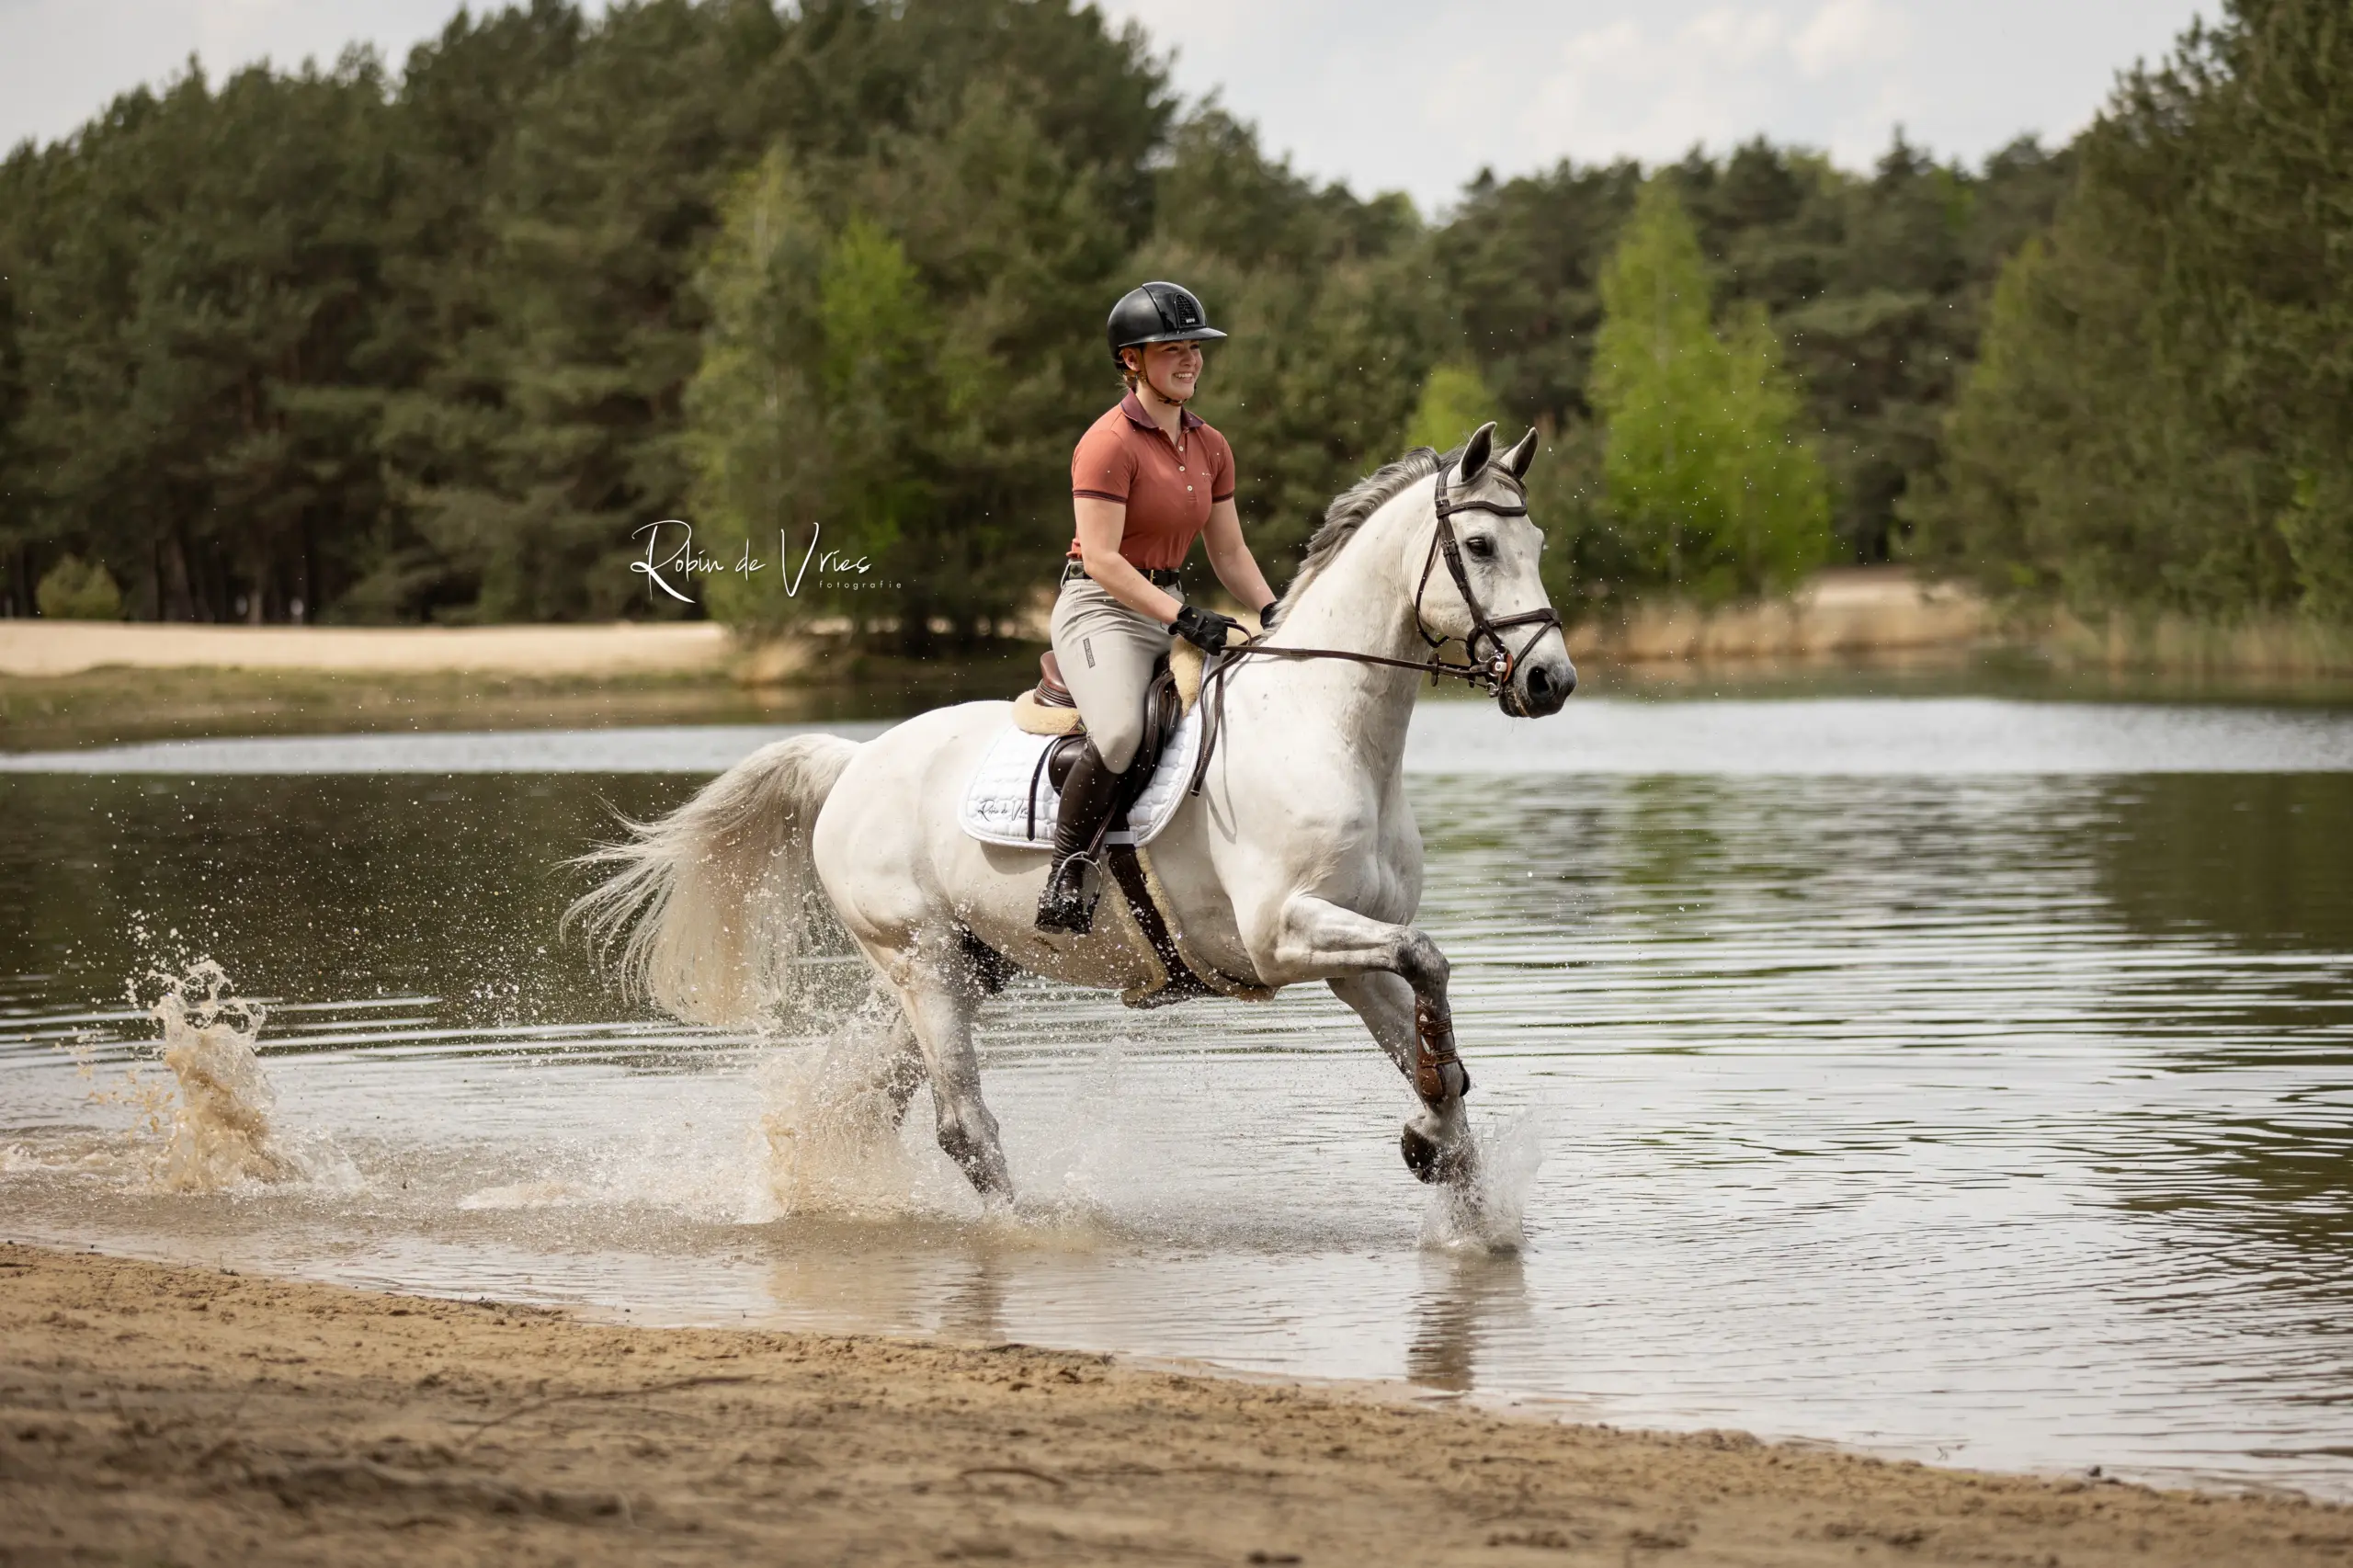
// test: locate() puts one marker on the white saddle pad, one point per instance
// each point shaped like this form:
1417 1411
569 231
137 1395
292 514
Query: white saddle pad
999 801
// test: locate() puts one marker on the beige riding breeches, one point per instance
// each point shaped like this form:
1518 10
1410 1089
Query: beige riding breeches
1107 651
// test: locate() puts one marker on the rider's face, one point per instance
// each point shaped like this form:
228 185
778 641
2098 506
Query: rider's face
1171 370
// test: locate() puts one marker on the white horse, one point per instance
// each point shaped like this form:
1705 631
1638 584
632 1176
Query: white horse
1298 860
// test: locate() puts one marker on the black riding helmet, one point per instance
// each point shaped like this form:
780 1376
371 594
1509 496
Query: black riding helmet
1157 313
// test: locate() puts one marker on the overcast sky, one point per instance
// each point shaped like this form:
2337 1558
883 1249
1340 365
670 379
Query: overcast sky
1410 95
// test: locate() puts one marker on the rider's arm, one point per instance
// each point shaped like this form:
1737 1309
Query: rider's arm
1101 525
1230 555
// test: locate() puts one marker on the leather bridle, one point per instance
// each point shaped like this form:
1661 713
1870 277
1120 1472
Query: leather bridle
1489 674
1496 668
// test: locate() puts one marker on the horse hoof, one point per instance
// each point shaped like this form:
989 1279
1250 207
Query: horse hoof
1422 1154
1431 1161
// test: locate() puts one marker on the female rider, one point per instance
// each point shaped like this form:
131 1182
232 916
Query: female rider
1148 478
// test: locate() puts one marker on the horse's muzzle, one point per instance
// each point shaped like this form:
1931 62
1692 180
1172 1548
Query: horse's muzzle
1538 688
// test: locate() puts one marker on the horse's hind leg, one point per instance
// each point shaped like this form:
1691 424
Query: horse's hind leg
898 1066
939 1008
1436 1142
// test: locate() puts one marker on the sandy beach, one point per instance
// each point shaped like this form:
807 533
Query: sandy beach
1840 611
171 1414
40 649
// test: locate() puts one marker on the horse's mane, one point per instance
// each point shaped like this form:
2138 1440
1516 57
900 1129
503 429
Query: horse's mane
1349 509
1351 506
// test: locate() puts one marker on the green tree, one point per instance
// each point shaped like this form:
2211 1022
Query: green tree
1454 402
442 382
422 350
901 351
195 273
20 535
1001 145
1717 495
2265 291
605 191
1876 284
1522 263
814 416
2159 420
72 590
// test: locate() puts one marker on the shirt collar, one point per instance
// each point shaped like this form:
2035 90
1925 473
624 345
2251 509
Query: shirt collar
1133 407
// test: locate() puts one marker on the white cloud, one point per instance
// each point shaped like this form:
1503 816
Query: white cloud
1847 33
1618 46
1622 89
1731 39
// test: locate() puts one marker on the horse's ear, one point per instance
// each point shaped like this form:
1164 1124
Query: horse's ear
1477 451
1516 461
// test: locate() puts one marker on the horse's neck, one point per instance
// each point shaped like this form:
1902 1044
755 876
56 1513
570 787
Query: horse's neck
1361 602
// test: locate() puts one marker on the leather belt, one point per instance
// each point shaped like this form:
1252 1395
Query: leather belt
1158 577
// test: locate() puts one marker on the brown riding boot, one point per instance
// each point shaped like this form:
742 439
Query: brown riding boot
1090 794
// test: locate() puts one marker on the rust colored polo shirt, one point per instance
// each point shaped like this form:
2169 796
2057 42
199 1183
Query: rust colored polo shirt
1124 457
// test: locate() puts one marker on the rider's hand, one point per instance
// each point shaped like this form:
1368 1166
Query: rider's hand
1205 629
1267 616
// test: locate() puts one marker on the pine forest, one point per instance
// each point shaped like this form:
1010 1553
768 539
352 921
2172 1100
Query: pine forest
438 343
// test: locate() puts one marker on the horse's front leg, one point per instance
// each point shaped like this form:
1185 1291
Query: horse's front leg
1437 1143
1396 979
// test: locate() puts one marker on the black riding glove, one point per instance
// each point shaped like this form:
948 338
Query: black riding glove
1267 616
1205 629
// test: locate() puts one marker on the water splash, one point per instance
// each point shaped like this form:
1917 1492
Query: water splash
831 1130
1488 1213
524 1195
220 1129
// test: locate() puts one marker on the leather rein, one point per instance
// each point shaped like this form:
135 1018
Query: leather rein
1488 674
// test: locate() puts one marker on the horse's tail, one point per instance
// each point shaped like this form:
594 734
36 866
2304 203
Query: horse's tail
709 905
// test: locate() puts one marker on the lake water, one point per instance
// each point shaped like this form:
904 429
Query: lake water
1966 1079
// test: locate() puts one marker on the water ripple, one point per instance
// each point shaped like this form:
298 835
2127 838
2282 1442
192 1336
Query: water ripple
2001 1114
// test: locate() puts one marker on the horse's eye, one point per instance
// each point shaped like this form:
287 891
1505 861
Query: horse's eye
1480 545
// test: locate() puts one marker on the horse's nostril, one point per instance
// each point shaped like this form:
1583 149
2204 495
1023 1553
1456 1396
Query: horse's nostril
1546 688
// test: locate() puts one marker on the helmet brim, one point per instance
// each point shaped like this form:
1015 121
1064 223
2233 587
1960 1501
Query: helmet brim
1191 335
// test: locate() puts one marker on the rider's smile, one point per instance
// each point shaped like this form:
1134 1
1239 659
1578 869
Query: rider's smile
1176 370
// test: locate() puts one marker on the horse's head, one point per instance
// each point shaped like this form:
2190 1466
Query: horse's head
1486 591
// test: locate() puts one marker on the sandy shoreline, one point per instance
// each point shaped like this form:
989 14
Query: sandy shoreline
1840 611
155 1414
42 649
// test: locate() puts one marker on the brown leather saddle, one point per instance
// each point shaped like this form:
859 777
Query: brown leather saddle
1051 692
1163 709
